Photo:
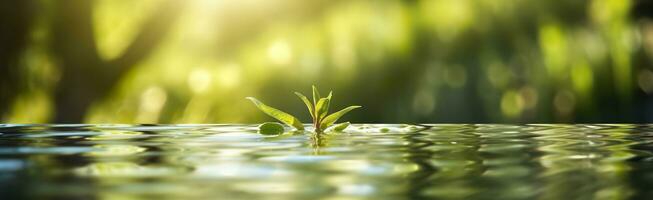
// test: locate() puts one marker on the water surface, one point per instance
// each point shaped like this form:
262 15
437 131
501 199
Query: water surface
367 161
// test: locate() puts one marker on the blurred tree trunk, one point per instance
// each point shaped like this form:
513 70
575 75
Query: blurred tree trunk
85 77
15 21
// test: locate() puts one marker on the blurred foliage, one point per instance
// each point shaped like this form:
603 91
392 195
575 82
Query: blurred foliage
404 61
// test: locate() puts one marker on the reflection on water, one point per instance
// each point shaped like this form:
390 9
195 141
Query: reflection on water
365 162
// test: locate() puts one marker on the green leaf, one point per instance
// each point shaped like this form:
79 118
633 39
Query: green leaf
278 114
270 128
308 104
340 127
321 108
316 95
332 118
326 106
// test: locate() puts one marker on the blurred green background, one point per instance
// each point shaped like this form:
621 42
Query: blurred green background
174 61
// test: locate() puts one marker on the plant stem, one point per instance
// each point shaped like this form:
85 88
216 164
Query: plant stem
316 124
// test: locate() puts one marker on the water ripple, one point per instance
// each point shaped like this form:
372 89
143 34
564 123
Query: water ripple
367 161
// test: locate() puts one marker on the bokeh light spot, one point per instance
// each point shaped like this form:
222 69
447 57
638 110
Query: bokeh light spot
199 80
280 52
564 102
645 81
512 103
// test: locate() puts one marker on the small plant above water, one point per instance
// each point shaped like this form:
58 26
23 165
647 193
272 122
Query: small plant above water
318 108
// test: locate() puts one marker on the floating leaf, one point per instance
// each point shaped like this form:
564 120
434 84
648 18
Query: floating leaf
341 126
278 114
332 118
270 128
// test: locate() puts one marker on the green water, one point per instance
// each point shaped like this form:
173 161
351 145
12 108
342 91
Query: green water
461 161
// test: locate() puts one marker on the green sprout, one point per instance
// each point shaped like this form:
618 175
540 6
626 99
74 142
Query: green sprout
318 109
